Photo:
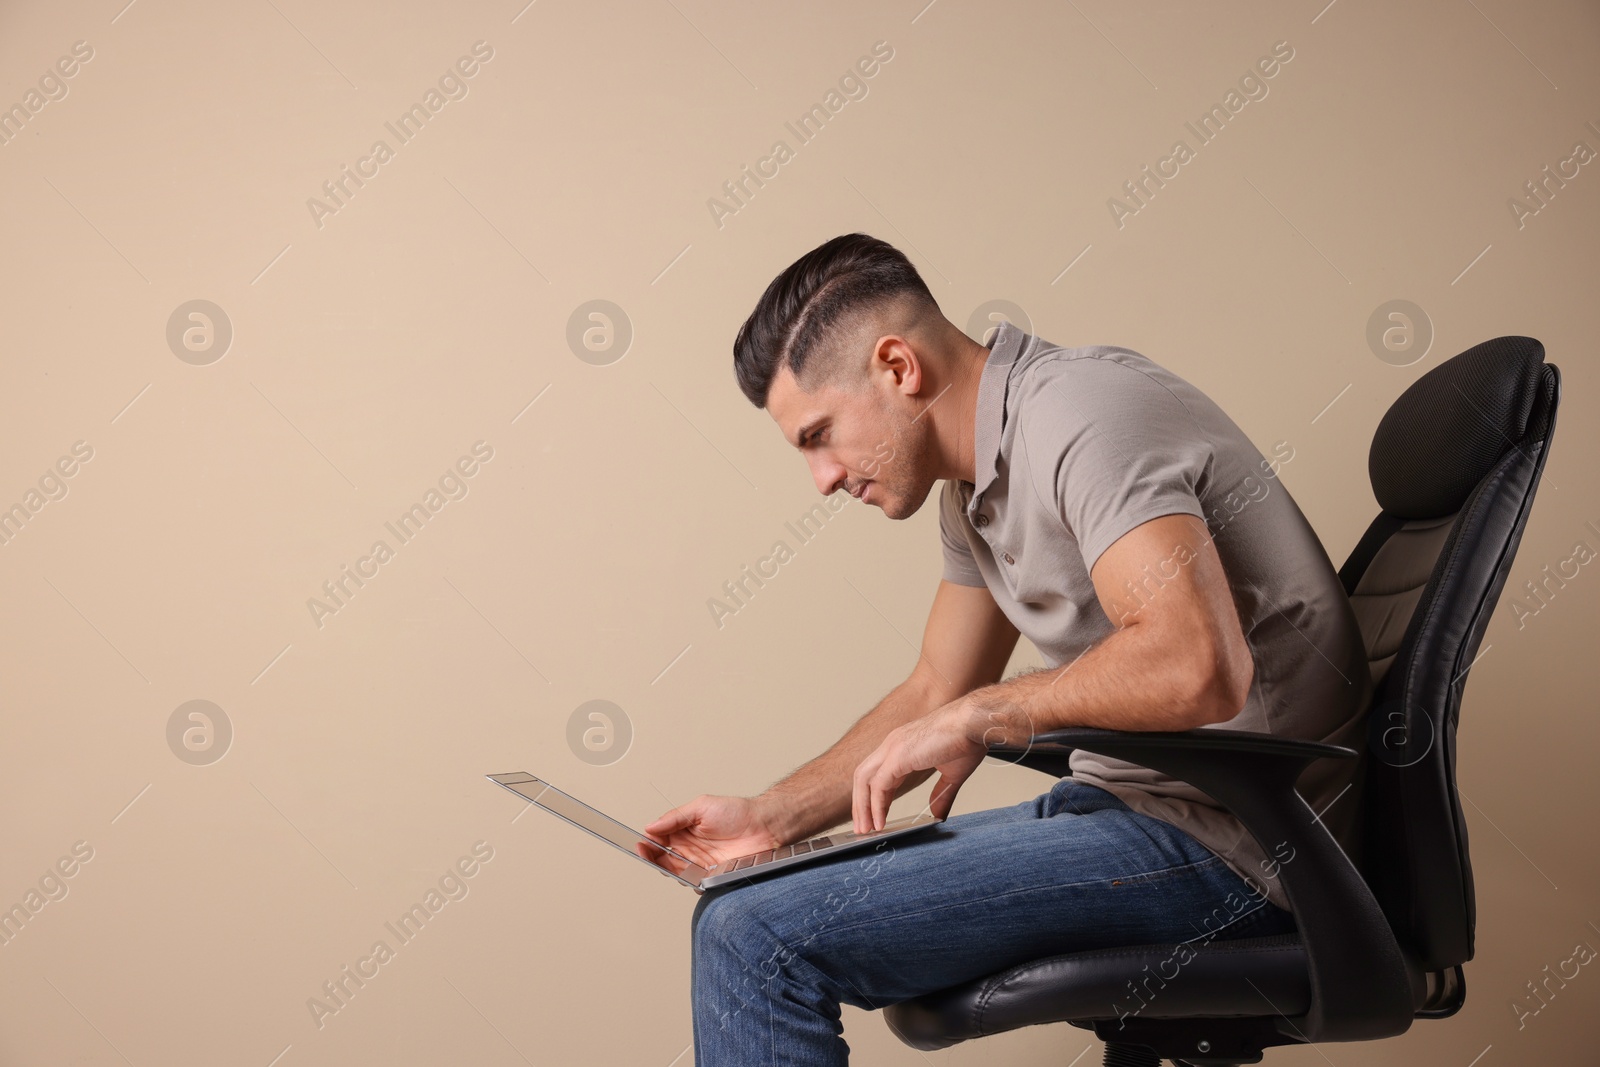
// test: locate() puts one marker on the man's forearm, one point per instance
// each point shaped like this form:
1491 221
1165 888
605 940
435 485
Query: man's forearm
817 795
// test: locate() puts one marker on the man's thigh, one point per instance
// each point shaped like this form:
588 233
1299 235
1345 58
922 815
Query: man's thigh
1070 870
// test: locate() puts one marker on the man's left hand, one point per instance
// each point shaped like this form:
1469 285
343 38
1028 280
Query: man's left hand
949 740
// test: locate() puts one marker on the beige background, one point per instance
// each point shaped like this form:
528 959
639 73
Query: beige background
431 310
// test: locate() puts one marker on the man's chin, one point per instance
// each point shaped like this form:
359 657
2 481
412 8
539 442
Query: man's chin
896 507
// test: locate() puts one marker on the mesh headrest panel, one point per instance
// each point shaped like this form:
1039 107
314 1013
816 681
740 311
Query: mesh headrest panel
1444 433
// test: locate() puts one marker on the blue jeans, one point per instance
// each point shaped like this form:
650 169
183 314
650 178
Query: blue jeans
1070 870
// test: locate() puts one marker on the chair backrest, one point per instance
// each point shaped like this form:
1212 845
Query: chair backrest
1454 465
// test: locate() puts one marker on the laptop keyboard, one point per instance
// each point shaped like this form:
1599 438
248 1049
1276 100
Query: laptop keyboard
798 849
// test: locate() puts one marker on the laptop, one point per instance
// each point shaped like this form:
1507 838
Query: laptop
647 850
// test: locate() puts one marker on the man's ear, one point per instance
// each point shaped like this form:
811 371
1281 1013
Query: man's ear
895 356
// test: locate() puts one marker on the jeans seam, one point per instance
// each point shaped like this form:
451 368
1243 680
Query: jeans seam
1149 877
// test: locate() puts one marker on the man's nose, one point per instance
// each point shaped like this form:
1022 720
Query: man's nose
827 473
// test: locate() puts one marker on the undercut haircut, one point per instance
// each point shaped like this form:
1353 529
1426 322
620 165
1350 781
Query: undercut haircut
812 306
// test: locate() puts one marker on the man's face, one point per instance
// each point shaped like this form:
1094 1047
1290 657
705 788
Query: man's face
869 440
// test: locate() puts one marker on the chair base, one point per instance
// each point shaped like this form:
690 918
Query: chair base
1191 1042
1131 1056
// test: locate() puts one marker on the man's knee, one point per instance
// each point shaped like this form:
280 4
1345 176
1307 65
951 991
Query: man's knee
706 902
722 920
740 926
734 956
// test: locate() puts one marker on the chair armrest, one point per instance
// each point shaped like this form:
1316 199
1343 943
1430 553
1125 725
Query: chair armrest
1049 752
1361 987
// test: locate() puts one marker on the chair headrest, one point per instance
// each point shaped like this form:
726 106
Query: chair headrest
1445 432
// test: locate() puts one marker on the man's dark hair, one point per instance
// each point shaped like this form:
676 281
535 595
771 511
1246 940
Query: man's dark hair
804 307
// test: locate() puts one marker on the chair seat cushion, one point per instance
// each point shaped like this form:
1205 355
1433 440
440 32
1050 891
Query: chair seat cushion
1217 979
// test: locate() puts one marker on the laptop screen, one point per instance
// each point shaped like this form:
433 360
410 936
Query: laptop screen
576 811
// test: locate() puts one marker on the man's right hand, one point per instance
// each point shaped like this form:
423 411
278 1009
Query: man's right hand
711 829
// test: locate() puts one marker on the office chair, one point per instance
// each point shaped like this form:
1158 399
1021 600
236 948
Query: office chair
1454 465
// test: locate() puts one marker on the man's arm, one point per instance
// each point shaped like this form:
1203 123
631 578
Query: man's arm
1177 660
966 644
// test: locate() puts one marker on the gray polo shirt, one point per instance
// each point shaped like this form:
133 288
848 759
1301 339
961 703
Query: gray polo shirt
1073 448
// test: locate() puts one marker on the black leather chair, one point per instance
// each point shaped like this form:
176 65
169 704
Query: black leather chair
1454 465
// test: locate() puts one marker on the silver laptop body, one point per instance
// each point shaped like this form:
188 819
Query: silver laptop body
680 867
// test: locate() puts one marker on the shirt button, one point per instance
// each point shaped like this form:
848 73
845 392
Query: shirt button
1008 558
982 519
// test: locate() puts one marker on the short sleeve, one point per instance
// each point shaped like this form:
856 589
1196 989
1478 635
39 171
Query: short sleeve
1122 447
959 566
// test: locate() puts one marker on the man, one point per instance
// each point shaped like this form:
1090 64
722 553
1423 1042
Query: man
1108 510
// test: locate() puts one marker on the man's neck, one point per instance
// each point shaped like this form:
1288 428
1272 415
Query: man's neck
955 414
